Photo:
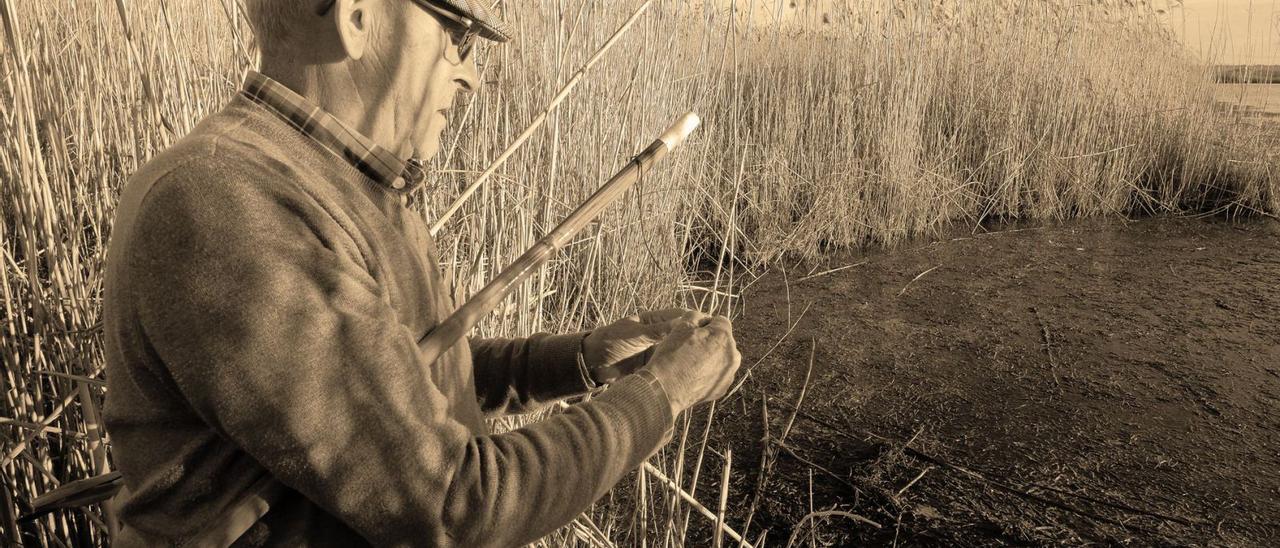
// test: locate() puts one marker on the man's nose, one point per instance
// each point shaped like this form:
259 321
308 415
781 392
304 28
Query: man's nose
466 75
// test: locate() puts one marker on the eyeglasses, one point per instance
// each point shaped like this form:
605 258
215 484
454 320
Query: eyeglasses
462 31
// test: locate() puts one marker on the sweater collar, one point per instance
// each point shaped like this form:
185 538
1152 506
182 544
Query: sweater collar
371 159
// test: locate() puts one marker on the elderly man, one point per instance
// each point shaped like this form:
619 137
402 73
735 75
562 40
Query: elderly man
267 289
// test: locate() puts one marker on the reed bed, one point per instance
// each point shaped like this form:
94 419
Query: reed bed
865 129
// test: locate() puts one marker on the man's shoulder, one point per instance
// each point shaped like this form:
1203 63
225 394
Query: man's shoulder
233 140
233 152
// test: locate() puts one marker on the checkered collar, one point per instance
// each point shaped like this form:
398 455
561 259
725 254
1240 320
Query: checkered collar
374 161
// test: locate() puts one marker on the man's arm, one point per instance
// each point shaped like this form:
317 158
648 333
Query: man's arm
287 348
522 375
518 375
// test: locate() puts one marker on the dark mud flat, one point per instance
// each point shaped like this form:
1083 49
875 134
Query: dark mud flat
1114 383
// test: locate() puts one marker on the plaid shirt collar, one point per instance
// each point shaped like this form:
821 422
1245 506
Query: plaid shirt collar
374 161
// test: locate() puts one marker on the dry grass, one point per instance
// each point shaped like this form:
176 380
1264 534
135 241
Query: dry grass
890 128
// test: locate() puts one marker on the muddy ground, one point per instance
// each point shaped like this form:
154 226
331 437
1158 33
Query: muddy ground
1099 382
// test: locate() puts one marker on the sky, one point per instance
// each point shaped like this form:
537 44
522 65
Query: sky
1230 31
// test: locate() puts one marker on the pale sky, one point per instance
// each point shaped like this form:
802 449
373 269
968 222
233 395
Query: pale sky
1230 31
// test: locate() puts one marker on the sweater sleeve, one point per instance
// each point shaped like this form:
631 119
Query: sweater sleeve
522 375
287 348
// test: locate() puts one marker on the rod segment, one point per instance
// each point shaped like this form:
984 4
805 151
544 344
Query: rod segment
458 324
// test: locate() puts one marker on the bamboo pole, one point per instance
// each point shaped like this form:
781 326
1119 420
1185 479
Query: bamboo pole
458 324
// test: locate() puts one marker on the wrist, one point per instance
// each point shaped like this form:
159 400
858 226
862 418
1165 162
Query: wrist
594 362
589 378
656 381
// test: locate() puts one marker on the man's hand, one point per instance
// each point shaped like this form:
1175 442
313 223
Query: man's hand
618 349
696 362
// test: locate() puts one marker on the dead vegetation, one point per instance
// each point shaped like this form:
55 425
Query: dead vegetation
940 415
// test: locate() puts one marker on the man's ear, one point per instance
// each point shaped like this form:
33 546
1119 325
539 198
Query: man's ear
352 18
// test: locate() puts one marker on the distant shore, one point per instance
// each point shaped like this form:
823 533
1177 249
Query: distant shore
1247 74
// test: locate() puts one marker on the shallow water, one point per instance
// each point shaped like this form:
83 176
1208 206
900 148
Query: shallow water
1258 99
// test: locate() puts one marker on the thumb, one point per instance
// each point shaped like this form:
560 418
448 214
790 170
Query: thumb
660 316
655 325
653 333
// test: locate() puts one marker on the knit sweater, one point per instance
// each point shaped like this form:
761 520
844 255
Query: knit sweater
263 306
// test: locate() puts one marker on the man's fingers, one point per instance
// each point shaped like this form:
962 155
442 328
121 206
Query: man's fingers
657 324
717 322
687 319
662 316
655 333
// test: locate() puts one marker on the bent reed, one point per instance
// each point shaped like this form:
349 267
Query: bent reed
816 135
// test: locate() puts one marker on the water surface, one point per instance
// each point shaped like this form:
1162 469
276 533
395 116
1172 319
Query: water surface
1254 99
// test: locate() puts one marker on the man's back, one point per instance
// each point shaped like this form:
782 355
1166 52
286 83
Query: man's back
196 207
264 302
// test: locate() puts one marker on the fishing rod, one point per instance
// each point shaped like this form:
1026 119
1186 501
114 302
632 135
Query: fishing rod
458 324
448 332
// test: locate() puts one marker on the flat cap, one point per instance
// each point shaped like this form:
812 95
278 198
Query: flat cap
487 23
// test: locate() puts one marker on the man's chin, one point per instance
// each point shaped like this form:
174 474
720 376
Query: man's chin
428 144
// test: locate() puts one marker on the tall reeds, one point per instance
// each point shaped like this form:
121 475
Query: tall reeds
866 128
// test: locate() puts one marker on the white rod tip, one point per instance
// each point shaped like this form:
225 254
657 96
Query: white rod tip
680 130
